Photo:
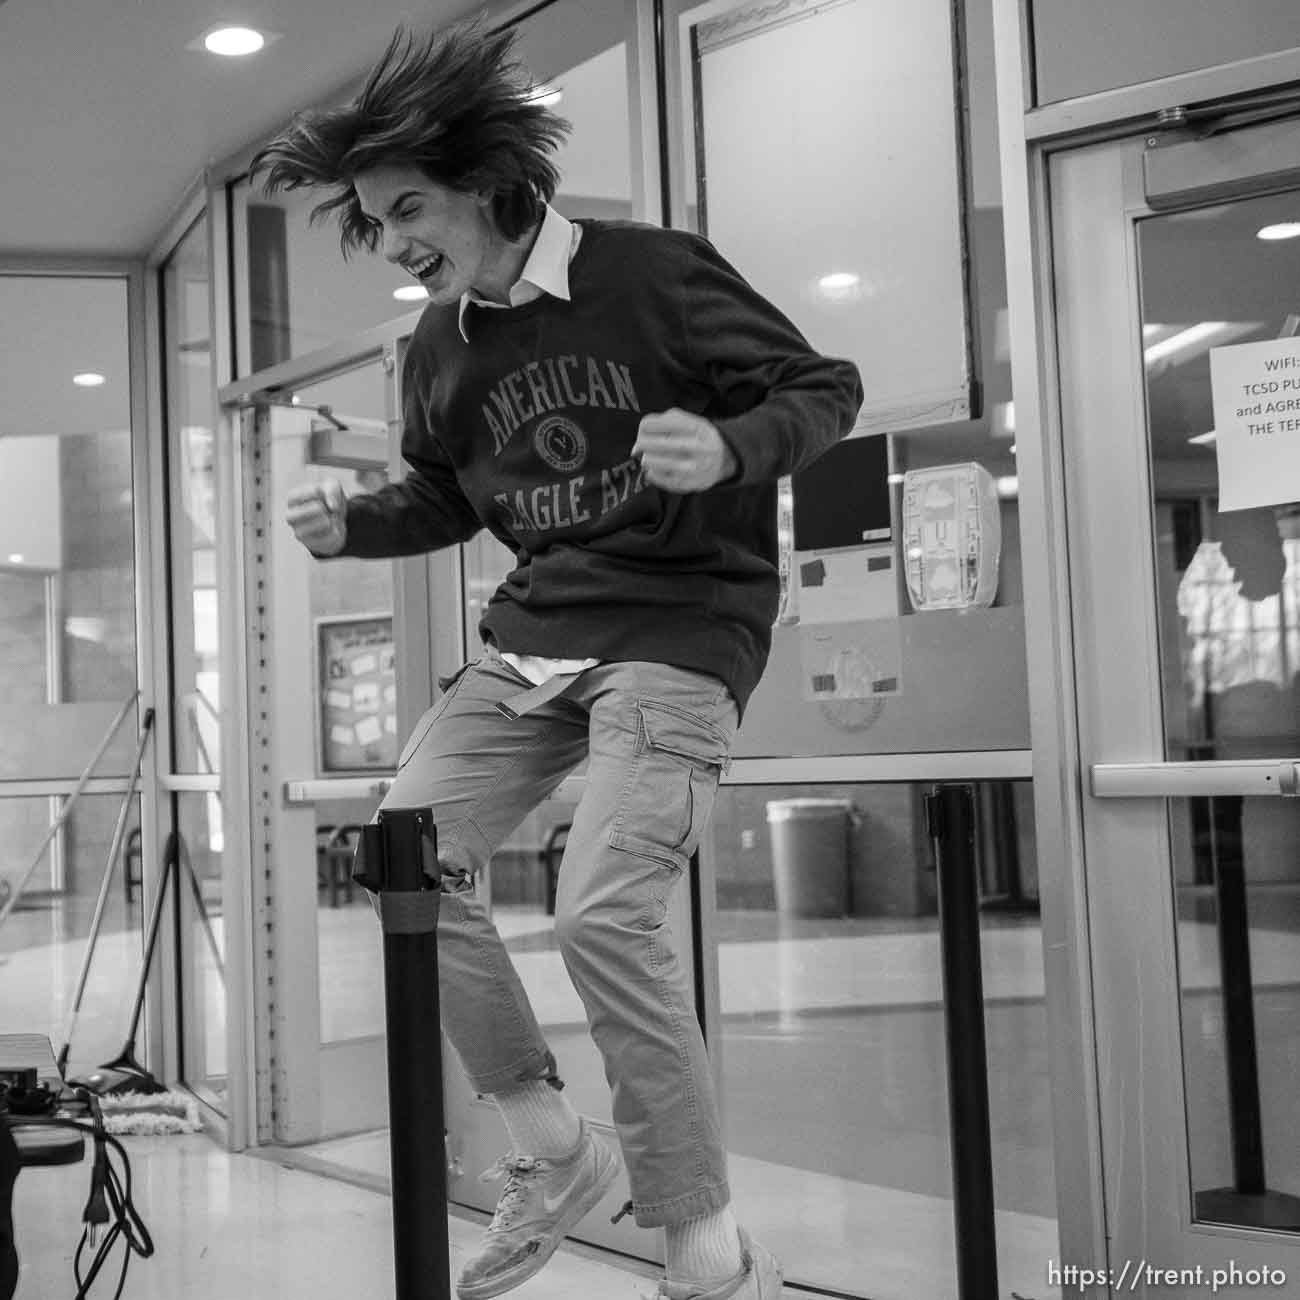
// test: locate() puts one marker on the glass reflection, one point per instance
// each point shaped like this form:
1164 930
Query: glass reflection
186 281
1230 637
67 558
299 294
832 1034
45 938
203 947
343 594
884 678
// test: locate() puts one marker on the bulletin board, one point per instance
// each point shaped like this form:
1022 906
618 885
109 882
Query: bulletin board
829 171
356 689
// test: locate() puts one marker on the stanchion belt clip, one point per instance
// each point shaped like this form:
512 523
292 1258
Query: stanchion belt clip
372 865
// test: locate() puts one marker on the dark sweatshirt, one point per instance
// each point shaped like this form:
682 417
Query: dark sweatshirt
528 428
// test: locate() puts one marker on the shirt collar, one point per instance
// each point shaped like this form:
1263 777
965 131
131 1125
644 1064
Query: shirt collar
545 271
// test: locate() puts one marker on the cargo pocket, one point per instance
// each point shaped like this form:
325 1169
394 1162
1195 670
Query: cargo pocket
671 784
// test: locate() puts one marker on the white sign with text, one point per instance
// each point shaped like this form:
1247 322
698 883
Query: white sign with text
1256 388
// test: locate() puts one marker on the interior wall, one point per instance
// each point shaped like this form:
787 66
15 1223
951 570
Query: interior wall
1083 49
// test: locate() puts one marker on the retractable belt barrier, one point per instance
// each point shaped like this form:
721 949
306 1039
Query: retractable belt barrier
397 859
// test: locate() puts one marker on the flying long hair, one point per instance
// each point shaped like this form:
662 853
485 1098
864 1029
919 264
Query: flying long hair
458 104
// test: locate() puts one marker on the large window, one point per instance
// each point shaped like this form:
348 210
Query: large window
65 505
67 653
832 1033
862 661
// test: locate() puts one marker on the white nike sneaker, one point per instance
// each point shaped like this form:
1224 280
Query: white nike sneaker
543 1200
759 1278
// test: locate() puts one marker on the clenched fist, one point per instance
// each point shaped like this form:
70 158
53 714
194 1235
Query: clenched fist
317 513
681 452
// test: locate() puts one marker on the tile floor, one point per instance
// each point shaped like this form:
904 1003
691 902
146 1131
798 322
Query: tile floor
251 1227
830 999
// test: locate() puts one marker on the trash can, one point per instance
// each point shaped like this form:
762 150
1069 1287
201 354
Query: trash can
810 855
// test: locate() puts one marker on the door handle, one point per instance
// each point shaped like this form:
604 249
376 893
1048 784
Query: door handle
337 787
1277 777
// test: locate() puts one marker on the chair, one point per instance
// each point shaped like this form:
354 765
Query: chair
552 852
335 846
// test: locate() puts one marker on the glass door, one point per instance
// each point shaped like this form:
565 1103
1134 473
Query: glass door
332 689
1177 276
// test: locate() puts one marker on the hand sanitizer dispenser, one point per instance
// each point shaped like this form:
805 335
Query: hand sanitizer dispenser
952 536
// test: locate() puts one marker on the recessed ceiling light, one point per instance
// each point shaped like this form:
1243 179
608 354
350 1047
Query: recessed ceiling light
838 281
88 380
15 558
411 293
1282 230
233 41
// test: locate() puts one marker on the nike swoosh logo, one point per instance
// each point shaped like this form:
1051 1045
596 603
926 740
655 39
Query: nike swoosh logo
552 1203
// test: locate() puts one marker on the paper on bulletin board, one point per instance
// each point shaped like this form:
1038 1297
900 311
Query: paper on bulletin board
852 661
846 585
1256 392
358 693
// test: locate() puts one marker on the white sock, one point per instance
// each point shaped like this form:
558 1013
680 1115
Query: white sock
540 1119
705 1251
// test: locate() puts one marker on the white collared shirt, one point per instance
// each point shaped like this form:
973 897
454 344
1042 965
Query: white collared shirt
545 271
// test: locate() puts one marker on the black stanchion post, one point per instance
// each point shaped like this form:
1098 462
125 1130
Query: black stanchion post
950 814
1248 1202
397 858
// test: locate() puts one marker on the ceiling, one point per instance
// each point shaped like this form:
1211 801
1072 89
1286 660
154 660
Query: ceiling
109 117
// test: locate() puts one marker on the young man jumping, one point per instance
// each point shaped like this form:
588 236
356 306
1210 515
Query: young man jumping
614 403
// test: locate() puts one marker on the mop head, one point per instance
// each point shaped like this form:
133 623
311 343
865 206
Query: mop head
149 1113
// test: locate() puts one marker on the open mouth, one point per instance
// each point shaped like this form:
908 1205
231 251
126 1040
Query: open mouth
426 267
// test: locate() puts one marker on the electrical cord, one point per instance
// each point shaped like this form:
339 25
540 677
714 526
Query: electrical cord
109 1202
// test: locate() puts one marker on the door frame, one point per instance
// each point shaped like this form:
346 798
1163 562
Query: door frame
1028 133
274 1026
1057 784
1099 194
